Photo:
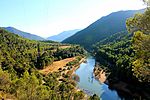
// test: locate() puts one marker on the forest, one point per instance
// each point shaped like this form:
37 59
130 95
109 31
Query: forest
121 47
127 55
20 60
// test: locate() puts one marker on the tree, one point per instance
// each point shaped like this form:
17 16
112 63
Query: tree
141 65
140 22
147 2
5 81
94 97
140 26
79 95
27 87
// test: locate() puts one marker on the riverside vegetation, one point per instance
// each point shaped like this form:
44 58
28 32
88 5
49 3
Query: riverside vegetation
122 48
127 55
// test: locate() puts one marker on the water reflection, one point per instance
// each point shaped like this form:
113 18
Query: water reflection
90 85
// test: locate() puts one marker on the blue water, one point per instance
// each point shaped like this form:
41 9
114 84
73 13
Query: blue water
90 85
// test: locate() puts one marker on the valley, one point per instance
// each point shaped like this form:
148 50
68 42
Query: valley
123 54
20 62
107 60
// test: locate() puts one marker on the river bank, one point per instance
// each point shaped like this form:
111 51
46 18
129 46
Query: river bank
68 71
76 66
77 79
90 85
126 90
129 90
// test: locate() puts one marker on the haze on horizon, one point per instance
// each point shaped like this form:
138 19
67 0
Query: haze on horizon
50 17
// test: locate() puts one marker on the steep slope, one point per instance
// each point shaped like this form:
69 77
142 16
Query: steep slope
23 34
62 36
127 56
102 28
113 38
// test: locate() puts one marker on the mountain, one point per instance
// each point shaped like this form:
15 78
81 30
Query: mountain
62 36
102 28
114 38
23 34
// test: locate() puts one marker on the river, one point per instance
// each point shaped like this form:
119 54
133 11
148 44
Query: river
90 85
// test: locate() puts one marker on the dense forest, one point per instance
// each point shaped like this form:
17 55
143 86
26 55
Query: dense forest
116 53
127 55
20 60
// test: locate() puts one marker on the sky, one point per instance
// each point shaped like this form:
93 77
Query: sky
50 17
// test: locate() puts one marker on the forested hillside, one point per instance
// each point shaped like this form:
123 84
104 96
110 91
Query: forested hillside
117 54
107 60
20 60
102 28
128 55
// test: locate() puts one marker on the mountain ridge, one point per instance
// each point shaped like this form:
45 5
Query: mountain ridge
63 35
102 28
23 34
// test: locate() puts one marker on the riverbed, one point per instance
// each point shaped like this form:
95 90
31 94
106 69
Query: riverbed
90 85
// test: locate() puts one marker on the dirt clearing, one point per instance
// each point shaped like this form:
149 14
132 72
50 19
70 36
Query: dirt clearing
56 65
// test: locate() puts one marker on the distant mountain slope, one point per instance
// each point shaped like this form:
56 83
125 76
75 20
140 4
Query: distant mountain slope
23 34
114 38
102 28
62 36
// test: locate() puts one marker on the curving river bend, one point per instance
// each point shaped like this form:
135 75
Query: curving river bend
90 85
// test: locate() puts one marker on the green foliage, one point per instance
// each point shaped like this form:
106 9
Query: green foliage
74 62
94 97
21 53
139 22
49 41
117 55
141 44
141 65
79 95
4 81
20 60
113 38
127 55
69 52
27 87
44 60
18 53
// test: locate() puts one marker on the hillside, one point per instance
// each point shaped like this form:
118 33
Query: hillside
23 34
102 28
20 61
113 38
62 36
126 56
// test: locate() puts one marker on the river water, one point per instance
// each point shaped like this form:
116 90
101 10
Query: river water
90 85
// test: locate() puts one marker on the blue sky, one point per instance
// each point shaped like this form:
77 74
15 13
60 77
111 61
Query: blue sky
48 17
